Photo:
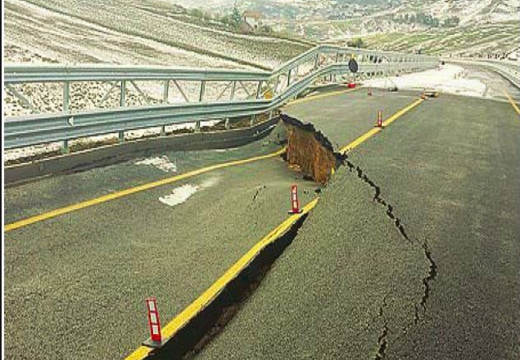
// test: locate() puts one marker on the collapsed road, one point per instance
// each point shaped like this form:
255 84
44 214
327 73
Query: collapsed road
373 270
442 283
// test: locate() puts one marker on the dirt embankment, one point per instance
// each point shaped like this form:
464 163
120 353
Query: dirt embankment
309 150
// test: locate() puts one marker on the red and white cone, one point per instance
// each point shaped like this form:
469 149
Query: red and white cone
379 119
154 323
295 203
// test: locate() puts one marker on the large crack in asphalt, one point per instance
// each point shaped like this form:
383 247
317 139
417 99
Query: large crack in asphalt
432 274
342 159
426 281
212 319
382 338
389 209
227 306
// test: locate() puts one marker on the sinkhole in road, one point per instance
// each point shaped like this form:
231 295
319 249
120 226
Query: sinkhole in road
309 151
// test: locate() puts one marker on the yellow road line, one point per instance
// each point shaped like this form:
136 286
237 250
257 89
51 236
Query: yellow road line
214 290
118 194
322 96
512 102
375 130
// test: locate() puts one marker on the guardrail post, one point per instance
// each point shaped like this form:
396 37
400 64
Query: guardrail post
276 86
197 127
259 89
65 148
252 121
163 130
316 61
226 124
121 136
202 90
66 96
122 96
289 77
166 90
233 88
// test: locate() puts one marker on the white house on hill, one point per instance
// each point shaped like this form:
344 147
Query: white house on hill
252 18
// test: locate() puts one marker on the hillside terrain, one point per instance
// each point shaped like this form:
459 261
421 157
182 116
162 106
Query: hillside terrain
458 27
151 32
198 34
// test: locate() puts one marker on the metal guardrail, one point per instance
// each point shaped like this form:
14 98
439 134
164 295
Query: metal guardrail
216 95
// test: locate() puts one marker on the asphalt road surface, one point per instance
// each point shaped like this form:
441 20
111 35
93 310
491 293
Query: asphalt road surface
435 275
345 117
75 284
495 84
413 252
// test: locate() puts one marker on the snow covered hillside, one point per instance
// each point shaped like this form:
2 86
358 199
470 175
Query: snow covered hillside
461 27
129 32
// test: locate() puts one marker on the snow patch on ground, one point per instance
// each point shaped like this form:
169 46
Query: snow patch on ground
182 193
41 150
209 182
31 151
225 150
162 163
447 78
179 195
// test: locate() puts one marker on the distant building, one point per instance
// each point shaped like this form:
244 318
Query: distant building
253 19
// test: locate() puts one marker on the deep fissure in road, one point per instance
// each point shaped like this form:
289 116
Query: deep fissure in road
211 320
303 140
310 152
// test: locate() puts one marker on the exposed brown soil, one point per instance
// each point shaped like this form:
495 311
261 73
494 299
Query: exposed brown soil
309 150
